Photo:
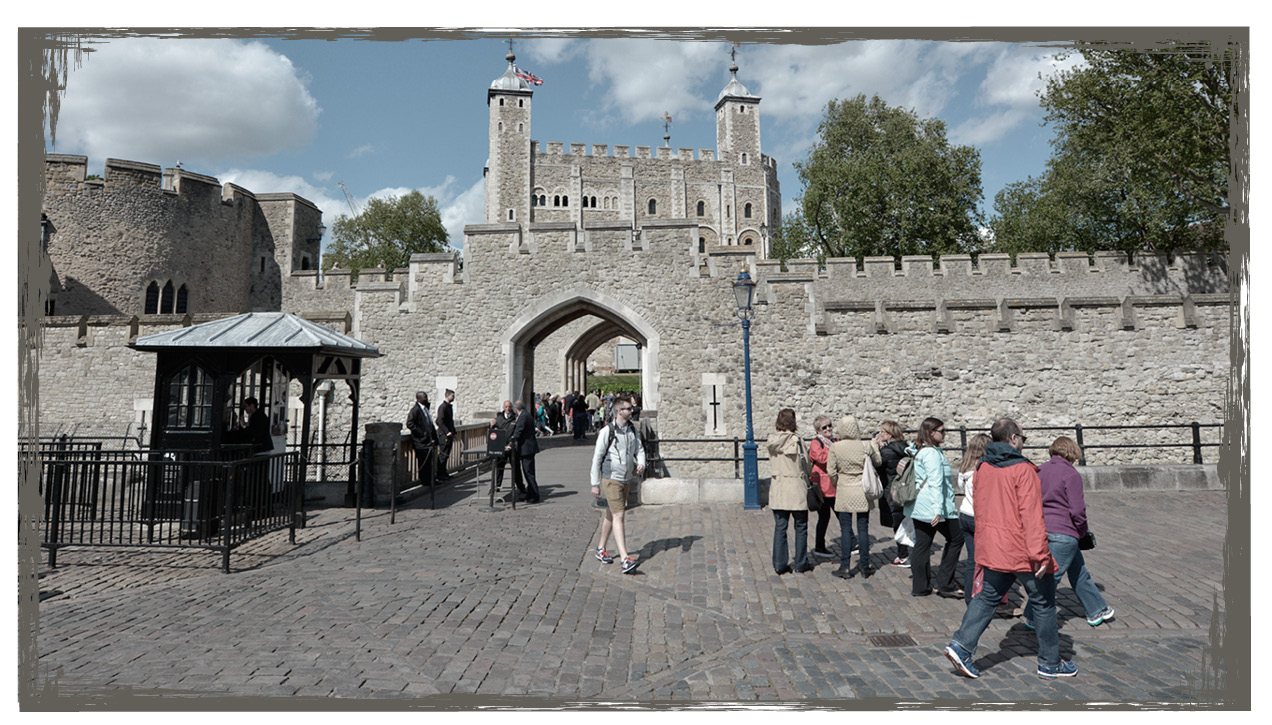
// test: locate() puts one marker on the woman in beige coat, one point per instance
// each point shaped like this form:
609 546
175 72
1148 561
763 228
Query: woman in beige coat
845 463
787 494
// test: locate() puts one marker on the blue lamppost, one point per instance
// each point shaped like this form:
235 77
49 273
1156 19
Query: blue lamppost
743 293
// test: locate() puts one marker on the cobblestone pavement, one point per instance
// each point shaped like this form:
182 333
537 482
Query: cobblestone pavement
461 607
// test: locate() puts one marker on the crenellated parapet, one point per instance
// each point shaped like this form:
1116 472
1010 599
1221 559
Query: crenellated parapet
622 151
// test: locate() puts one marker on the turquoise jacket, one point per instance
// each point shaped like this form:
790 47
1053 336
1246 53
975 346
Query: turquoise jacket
935 479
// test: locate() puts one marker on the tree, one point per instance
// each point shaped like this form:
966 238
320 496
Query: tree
881 181
1140 159
386 233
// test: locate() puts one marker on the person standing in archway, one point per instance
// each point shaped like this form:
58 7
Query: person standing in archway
619 453
524 446
593 405
578 410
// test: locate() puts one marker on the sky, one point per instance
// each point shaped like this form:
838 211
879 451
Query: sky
383 118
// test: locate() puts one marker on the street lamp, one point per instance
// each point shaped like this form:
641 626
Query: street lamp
744 293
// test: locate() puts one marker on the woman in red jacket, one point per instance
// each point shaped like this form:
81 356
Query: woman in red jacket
818 450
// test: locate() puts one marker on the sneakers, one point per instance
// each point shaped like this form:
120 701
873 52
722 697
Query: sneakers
603 556
901 563
962 660
1029 625
1101 618
629 564
1064 669
823 554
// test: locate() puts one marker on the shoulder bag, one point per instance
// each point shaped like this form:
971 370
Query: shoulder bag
811 489
870 483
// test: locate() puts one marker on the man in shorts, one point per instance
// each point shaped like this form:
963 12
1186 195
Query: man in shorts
619 453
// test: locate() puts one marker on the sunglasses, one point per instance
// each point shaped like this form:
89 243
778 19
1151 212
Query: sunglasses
825 427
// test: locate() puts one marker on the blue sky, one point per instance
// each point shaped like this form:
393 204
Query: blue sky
277 114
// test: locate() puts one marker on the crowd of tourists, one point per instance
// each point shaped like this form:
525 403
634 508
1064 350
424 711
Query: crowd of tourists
1020 523
575 413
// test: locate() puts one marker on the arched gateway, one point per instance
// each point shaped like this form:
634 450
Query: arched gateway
546 315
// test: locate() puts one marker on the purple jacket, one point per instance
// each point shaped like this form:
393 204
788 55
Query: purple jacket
1063 506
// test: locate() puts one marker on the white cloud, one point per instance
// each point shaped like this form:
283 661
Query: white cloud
160 101
982 130
469 207
645 78
1008 96
324 175
551 50
362 150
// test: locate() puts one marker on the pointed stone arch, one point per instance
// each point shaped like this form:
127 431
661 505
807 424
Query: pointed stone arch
547 314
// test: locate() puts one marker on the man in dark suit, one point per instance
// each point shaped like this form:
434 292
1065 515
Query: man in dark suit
423 436
445 433
256 432
504 421
524 446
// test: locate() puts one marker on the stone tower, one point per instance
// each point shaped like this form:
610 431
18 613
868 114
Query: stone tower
508 168
738 123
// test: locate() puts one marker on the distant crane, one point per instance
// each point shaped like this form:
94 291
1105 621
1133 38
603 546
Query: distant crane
353 212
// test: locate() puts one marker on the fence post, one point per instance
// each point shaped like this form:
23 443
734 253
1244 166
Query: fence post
1077 430
226 520
962 438
736 474
1196 431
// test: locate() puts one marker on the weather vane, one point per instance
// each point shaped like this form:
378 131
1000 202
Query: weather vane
666 129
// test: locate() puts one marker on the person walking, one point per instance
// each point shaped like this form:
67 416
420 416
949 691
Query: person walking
818 450
423 438
1011 546
1064 510
967 514
618 454
846 462
933 511
891 439
787 495
445 433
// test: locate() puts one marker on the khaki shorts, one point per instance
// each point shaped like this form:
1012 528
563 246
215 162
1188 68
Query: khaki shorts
615 492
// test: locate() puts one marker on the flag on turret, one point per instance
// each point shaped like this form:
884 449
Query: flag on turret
529 77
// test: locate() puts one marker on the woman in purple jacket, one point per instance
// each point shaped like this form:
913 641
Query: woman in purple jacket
1064 509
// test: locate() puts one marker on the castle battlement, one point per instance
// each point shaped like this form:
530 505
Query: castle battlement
623 151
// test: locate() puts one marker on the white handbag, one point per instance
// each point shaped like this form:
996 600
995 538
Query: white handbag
905 532
870 483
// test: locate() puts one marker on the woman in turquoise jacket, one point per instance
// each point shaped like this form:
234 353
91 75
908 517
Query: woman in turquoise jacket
933 511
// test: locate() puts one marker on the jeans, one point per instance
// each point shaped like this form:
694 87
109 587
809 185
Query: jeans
1042 596
920 565
780 555
527 472
848 542
824 514
968 525
1069 558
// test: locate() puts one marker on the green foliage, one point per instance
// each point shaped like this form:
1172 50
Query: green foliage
1140 159
881 181
386 233
614 383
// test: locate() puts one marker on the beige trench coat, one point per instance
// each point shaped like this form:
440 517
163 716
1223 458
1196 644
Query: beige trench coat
844 464
786 463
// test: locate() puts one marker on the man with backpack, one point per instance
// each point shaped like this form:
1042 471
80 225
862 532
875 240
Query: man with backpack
619 453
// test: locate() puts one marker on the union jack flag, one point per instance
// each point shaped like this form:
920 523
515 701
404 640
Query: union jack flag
529 77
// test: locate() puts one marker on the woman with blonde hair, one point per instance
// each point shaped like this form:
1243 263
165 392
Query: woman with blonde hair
845 463
818 450
891 440
1064 509
787 495
967 514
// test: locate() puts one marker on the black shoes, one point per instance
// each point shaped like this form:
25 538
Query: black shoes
783 570
844 573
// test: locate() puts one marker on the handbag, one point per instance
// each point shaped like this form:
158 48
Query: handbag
1087 542
870 484
811 490
905 532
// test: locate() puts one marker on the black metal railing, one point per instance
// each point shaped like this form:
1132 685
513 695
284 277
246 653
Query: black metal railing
185 499
1088 438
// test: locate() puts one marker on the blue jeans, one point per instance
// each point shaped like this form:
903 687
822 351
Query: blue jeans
780 555
848 542
1042 595
968 525
1069 557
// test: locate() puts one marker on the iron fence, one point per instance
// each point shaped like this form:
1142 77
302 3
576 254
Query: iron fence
1089 438
182 499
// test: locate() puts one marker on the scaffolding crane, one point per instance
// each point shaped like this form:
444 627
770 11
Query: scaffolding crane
353 212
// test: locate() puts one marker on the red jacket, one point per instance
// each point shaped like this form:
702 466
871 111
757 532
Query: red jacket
1011 535
818 452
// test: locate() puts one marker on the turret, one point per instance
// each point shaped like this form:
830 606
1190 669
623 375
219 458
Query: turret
508 168
738 123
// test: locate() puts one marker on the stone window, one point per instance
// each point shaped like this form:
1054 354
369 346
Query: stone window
556 200
702 208
565 200
304 264
585 202
501 127
512 215
594 202
653 207
521 103
165 300
746 211
501 101
534 200
543 200
744 159
190 399
521 128
702 244
183 300
152 299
